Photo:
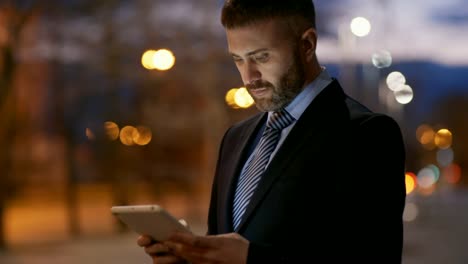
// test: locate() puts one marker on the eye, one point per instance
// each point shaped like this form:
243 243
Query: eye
237 59
262 57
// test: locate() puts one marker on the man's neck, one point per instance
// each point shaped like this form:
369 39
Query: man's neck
312 71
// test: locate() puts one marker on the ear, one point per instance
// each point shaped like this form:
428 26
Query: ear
309 43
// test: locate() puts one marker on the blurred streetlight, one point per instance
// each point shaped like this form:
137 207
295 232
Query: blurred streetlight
239 98
147 59
410 182
395 81
443 139
126 135
230 98
243 98
410 213
445 157
162 59
425 134
404 95
142 135
382 59
360 26
112 130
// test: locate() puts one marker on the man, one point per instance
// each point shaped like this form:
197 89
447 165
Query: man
316 177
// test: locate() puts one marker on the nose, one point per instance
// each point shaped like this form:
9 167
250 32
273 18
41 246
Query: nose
250 73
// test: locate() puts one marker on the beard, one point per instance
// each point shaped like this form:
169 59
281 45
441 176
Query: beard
289 86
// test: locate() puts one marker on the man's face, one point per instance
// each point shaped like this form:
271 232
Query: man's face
269 63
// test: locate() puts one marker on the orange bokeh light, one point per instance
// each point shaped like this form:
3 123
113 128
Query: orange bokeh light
452 173
410 182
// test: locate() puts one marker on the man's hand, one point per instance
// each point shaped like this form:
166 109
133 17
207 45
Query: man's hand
228 248
159 252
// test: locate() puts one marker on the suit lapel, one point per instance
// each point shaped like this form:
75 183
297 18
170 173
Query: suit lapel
229 186
310 125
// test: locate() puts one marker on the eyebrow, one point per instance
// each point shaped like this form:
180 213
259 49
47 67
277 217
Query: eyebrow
250 53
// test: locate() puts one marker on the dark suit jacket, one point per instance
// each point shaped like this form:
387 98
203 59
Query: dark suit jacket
333 193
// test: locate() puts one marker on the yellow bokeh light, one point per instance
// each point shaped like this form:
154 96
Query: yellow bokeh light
443 139
230 98
112 130
142 135
243 98
410 182
163 60
126 135
147 59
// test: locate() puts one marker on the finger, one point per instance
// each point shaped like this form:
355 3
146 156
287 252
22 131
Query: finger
187 252
195 241
144 241
157 249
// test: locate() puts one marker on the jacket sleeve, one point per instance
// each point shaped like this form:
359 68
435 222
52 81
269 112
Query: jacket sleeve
373 205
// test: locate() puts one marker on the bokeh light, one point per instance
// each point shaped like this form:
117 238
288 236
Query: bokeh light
443 139
90 134
147 59
126 135
425 135
404 94
411 212
428 176
112 130
445 157
452 173
382 59
142 135
395 81
230 98
436 171
163 59
410 182
360 26
242 98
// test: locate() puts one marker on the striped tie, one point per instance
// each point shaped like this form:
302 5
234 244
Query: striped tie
252 173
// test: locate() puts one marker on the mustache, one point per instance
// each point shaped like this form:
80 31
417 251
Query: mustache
258 84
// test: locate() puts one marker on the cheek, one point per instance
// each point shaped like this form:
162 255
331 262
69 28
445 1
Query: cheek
242 74
273 74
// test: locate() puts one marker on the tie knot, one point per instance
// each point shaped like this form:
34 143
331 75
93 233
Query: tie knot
280 119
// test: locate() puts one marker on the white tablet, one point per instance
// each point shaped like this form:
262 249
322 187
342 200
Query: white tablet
151 220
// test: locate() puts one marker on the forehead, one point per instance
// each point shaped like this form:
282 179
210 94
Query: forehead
263 34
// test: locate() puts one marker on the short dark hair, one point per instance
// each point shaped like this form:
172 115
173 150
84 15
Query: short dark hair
238 13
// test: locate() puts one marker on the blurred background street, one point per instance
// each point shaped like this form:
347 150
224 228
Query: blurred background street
117 102
435 233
